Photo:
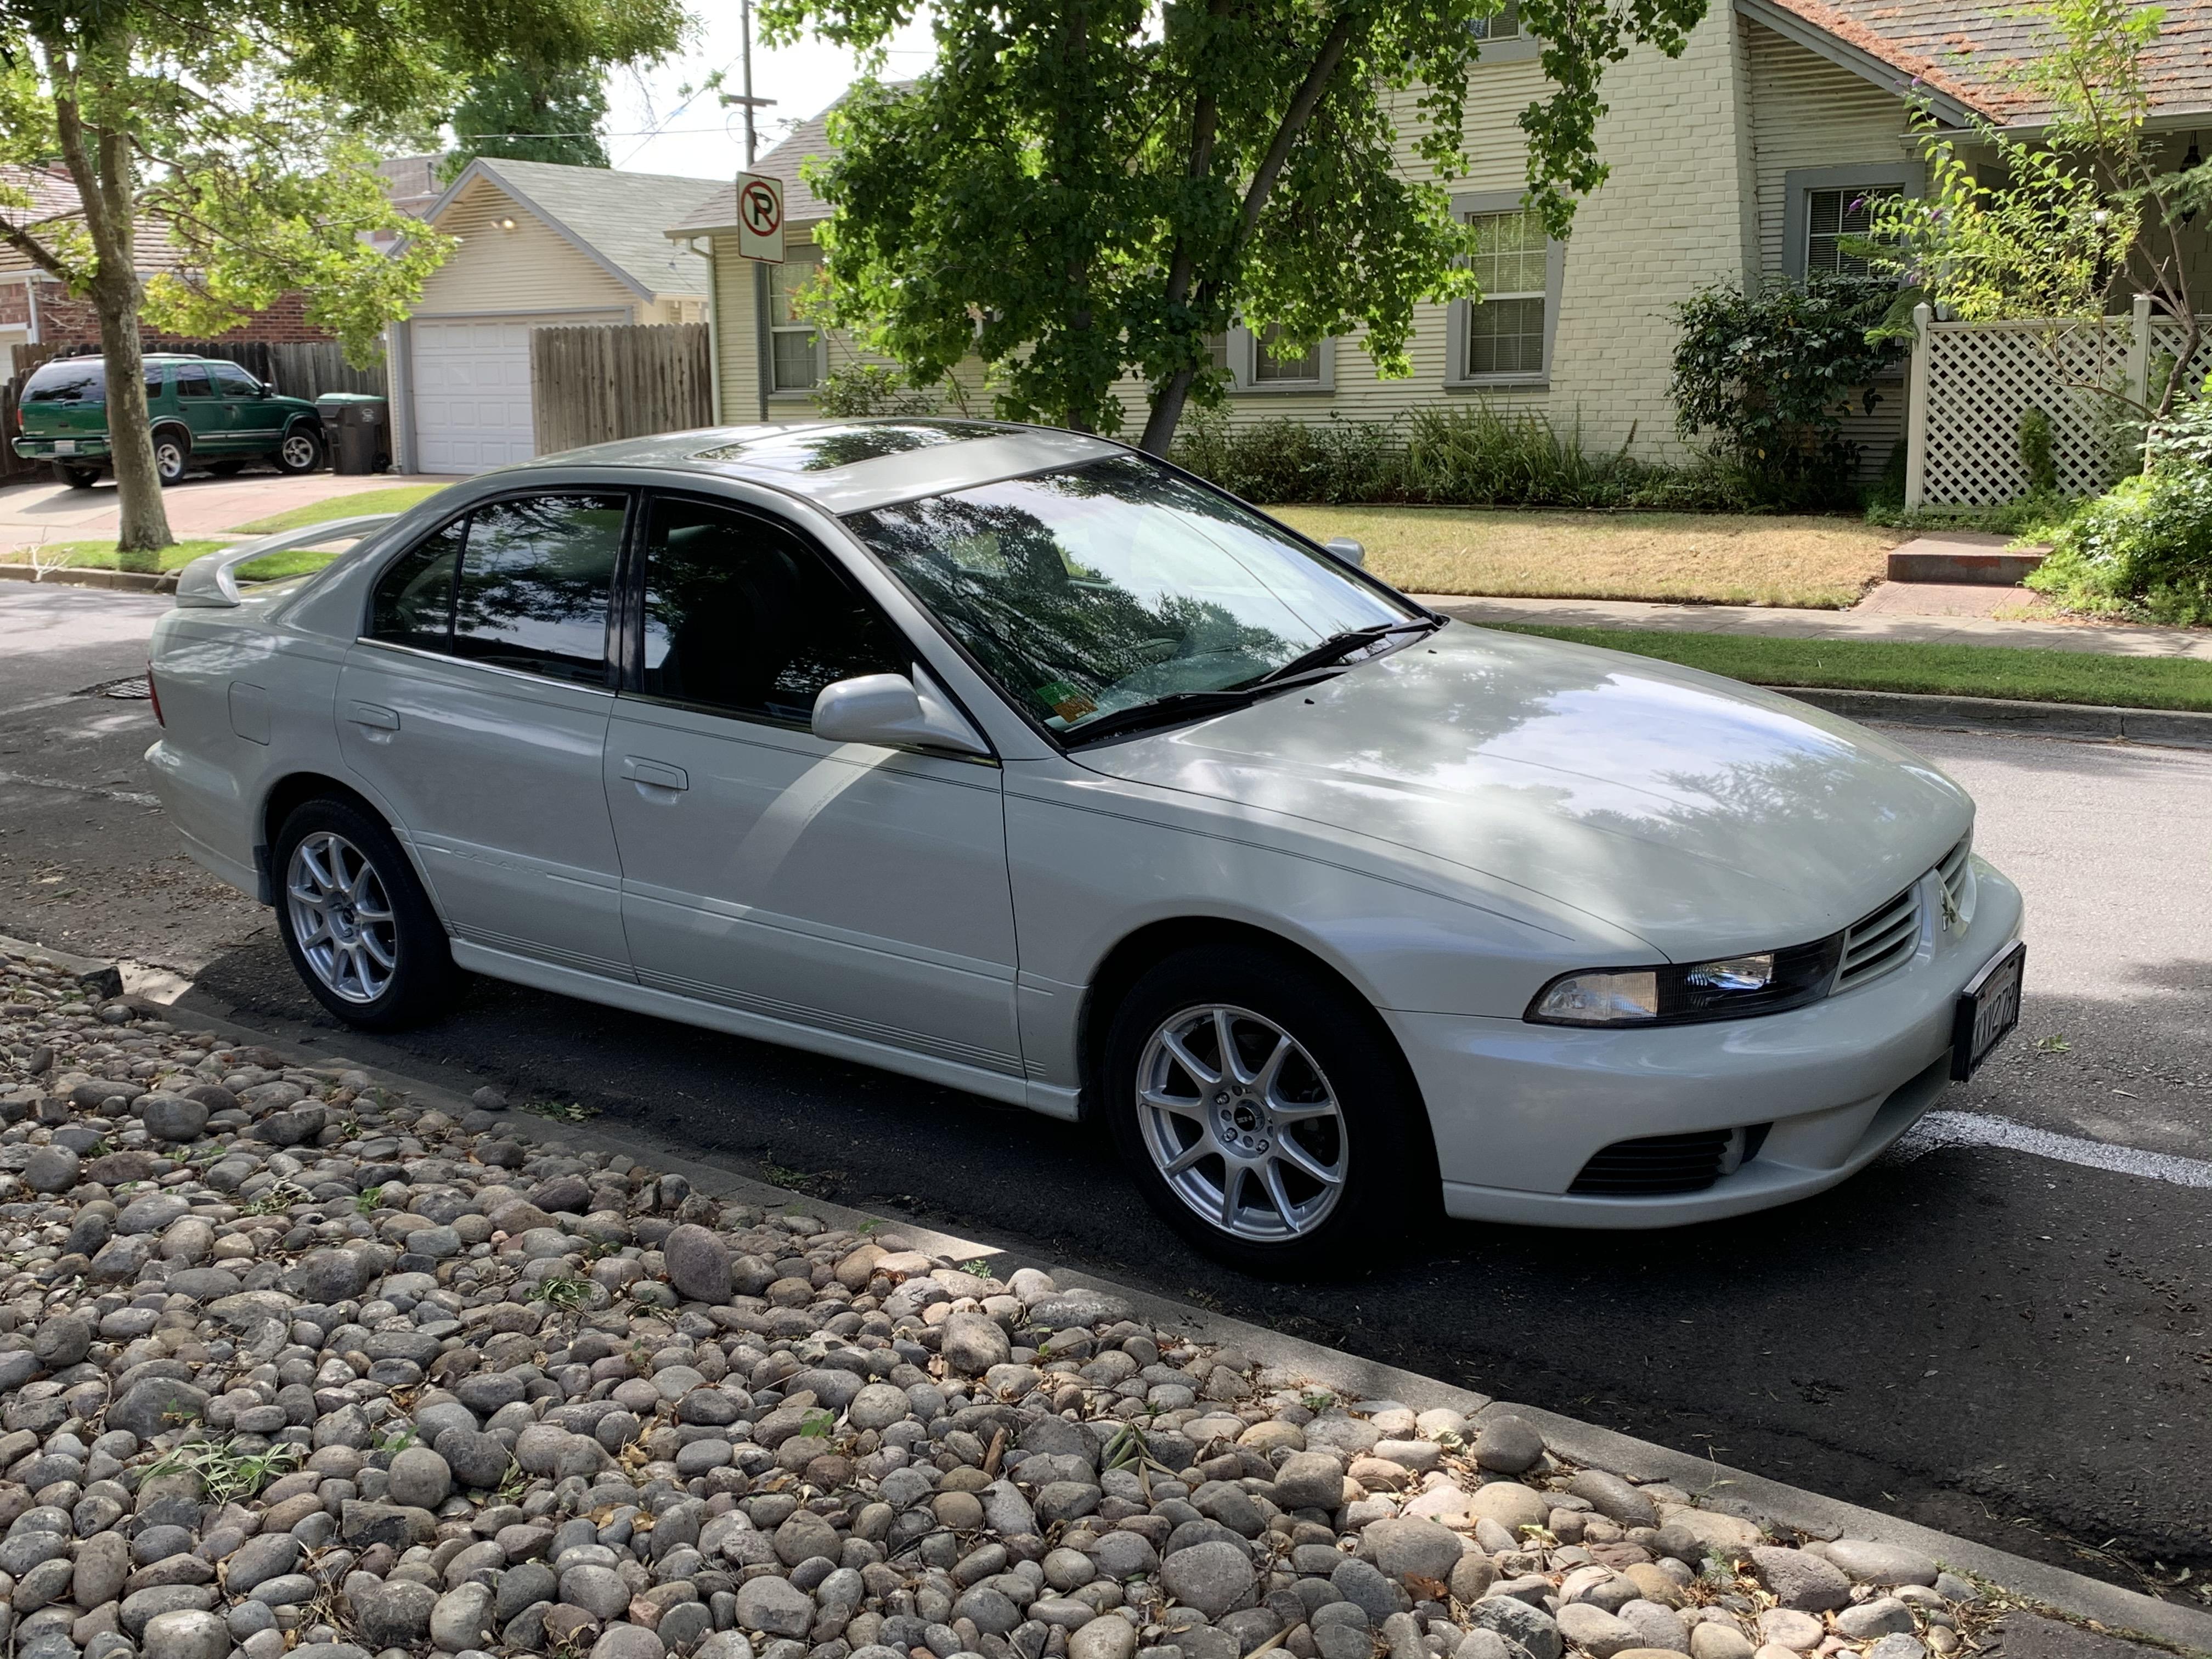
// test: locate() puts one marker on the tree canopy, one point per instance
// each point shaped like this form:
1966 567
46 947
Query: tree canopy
531 110
1080 189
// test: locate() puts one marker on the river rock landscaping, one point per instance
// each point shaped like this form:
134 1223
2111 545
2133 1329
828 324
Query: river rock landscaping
291 1363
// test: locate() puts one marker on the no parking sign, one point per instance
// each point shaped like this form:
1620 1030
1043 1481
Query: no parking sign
760 217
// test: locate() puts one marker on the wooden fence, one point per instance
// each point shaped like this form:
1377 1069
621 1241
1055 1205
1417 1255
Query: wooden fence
590 385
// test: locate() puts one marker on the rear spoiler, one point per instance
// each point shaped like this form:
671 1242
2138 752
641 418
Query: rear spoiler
212 579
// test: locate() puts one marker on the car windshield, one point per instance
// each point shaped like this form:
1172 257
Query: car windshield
1115 584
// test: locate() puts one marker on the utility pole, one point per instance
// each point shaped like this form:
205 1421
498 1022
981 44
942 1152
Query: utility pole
750 104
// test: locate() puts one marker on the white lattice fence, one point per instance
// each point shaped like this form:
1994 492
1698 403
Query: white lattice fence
1981 378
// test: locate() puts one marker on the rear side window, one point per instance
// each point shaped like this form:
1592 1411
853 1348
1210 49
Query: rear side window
192 381
81 381
521 584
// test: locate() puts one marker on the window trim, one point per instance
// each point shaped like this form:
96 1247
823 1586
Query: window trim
770 328
1243 353
1459 318
1799 183
1518 47
615 628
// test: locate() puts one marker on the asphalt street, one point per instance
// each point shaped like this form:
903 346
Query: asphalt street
2011 1345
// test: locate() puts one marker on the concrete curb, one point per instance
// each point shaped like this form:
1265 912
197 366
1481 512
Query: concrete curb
2166 727
101 979
130 581
1787 1508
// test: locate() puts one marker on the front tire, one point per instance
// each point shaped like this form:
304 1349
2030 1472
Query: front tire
360 930
301 451
172 455
1266 1114
76 477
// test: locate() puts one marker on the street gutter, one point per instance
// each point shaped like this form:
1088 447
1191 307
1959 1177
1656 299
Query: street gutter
2054 1590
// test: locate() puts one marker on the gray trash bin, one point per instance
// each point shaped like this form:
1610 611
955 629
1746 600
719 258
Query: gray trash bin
357 431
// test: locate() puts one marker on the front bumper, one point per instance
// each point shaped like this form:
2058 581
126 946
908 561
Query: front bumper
1517 1109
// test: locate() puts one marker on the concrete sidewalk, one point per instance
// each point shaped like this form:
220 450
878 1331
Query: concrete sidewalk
1777 623
41 510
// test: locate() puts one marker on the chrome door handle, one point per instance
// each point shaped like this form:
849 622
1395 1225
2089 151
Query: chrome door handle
374 716
655 775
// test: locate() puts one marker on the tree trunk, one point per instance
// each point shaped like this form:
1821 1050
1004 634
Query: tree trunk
1167 414
145 527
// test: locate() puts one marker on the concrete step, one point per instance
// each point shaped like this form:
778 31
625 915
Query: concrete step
1962 557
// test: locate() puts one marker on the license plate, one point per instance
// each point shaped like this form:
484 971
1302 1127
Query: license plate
64 446
1987 1010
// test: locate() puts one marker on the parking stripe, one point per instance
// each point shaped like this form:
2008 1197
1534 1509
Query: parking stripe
1941 1129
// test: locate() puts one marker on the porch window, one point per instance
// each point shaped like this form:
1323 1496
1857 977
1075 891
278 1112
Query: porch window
1505 329
794 346
1833 216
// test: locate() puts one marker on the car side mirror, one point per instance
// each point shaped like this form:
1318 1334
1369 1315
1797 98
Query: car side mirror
261 392
896 712
1343 547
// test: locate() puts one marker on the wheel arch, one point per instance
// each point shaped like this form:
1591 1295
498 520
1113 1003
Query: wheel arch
296 789
1136 953
161 424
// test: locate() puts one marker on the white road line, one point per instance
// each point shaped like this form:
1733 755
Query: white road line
1940 1129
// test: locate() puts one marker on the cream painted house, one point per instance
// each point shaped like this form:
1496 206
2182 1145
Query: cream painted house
541 245
1746 158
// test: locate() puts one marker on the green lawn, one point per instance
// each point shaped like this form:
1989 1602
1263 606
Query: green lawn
1968 670
101 555
397 499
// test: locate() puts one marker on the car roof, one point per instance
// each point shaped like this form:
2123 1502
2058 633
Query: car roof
847 465
145 357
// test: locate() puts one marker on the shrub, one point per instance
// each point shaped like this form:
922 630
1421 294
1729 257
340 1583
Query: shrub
870 389
2038 457
1770 374
2144 547
1286 460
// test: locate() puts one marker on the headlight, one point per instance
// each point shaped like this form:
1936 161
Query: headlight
1727 987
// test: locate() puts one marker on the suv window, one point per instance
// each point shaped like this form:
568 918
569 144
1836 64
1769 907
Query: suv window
83 380
234 381
746 615
523 584
154 373
192 381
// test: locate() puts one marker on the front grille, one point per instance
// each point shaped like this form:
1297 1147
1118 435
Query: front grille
1657 1165
1956 872
1885 940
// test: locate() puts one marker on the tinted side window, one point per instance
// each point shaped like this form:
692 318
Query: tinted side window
80 382
414 601
236 381
534 585
744 615
153 382
192 381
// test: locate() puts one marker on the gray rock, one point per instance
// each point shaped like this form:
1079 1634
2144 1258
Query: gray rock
1107 1637
1483 1644
1364 1585
598 1591
1507 1444
804 1536
1885 1616
461 1618
1596 1631
172 1117
1614 1498
187 1633
1310 1481
50 1169
61 1340
421 1479
395 1614
1897 1647
1800 1580
629 1641
261 1559
331 1276
154 1405
1710 1640
991 1610
1212 1576
478 1461
1952 1588
973 1344
1515 1620
698 1264
1866 1563
1421 1547
877 1406
1656 1626
772 1607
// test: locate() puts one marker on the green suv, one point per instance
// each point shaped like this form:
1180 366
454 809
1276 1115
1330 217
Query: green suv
206 413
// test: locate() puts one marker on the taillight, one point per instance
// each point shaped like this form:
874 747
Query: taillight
153 695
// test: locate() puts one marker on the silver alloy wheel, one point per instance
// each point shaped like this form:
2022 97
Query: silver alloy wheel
169 460
1241 1123
341 917
298 450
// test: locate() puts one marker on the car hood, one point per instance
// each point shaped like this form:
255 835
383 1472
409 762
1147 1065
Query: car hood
1701 815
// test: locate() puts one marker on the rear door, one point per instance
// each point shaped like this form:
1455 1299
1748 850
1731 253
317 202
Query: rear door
475 706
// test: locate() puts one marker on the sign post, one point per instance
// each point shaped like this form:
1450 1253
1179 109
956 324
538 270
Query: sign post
760 217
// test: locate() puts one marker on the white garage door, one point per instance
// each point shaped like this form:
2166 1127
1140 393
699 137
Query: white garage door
471 378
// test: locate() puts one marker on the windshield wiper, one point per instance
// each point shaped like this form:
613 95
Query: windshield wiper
1179 706
1337 647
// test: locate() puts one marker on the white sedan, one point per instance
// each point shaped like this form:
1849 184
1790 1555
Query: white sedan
1016 760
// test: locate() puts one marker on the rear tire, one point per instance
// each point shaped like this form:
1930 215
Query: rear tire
1311 1156
76 477
173 454
360 930
300 451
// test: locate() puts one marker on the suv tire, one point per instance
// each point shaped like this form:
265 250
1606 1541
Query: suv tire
76 477
301 450
360 930
1297 1160
172 454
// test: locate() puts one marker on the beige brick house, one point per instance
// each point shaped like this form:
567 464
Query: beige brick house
1744 158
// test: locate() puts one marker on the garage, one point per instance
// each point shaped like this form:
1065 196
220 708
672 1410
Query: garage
536 244
471 380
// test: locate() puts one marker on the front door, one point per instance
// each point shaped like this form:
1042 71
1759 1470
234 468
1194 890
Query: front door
476 708
842 888
255 419
207 412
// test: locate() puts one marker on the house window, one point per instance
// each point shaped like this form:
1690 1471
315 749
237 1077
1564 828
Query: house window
1505 24
795 348
1273 367
1505 329
1833 216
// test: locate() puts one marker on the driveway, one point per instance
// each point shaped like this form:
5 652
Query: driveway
39 510
2005 1332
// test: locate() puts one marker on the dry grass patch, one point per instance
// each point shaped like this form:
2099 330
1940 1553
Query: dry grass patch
1722 558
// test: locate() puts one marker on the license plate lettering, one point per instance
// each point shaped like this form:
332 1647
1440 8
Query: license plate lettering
1987 1010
